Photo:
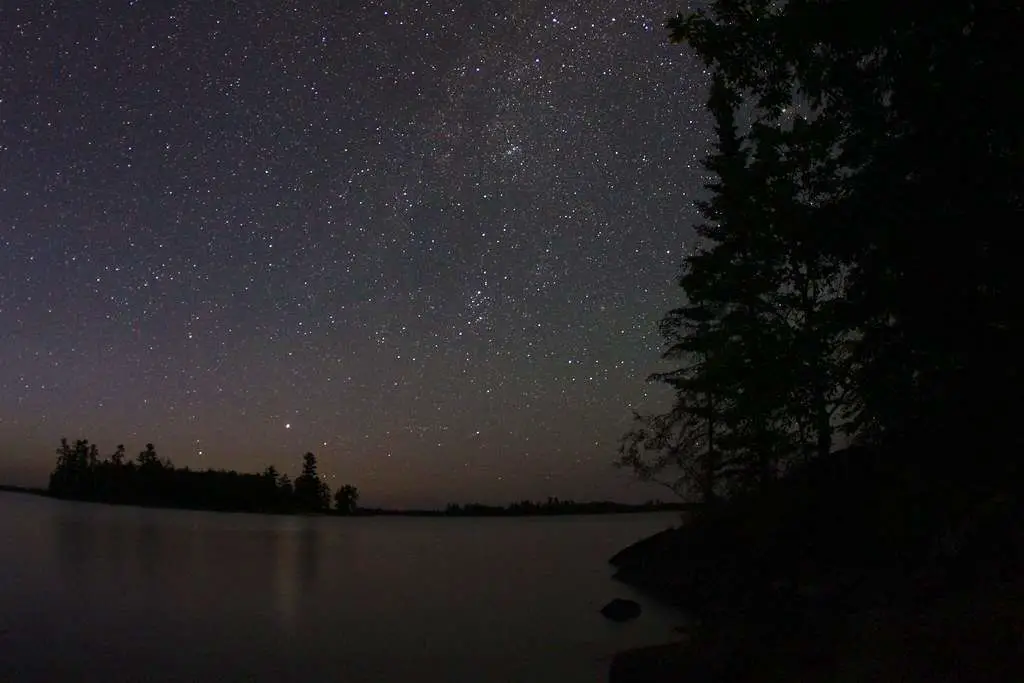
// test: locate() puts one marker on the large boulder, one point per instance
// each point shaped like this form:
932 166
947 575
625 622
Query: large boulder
621 609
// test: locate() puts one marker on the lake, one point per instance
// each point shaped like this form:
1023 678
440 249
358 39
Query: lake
91 592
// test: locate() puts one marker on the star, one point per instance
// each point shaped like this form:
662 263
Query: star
396 228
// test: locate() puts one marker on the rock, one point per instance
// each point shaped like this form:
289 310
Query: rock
620 609
642 551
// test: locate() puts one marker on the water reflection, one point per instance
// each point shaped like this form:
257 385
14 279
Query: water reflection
150 548
296 549
309 546
76 548
286 589
119 551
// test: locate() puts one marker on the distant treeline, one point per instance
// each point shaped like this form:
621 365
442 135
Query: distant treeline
553 506
81 474
21 489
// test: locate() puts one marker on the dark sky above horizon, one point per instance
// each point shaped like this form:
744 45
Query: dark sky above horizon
429 242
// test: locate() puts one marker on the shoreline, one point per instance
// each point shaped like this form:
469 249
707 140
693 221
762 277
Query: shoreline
967 635
601 508
945 603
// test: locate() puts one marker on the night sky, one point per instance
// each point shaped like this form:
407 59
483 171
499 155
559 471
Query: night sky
428 241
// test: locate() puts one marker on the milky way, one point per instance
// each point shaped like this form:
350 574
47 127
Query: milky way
429 242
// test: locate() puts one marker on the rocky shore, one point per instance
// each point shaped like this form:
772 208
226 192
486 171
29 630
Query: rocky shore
974 636
807 583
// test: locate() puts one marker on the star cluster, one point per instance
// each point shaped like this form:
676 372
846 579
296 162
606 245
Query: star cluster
428 241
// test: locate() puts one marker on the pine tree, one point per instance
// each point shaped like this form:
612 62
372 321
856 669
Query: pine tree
762 344
286 491
927 318
311 493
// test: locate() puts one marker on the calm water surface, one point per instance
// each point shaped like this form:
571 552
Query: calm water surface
102 593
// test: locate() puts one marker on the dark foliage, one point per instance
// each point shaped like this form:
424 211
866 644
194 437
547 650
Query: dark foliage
856 280
917 196
311 493
81 475
856 269
346 499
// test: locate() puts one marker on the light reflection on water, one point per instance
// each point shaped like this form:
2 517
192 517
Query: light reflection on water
103 593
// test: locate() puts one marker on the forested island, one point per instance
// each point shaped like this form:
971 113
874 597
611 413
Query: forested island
82 474
846 362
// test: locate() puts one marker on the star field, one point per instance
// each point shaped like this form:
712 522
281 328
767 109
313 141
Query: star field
428 241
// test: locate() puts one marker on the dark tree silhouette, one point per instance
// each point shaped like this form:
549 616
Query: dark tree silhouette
857 271
761 354
80 474
901 165
148 458
346 499
670 449
311 493
286 490
812 303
